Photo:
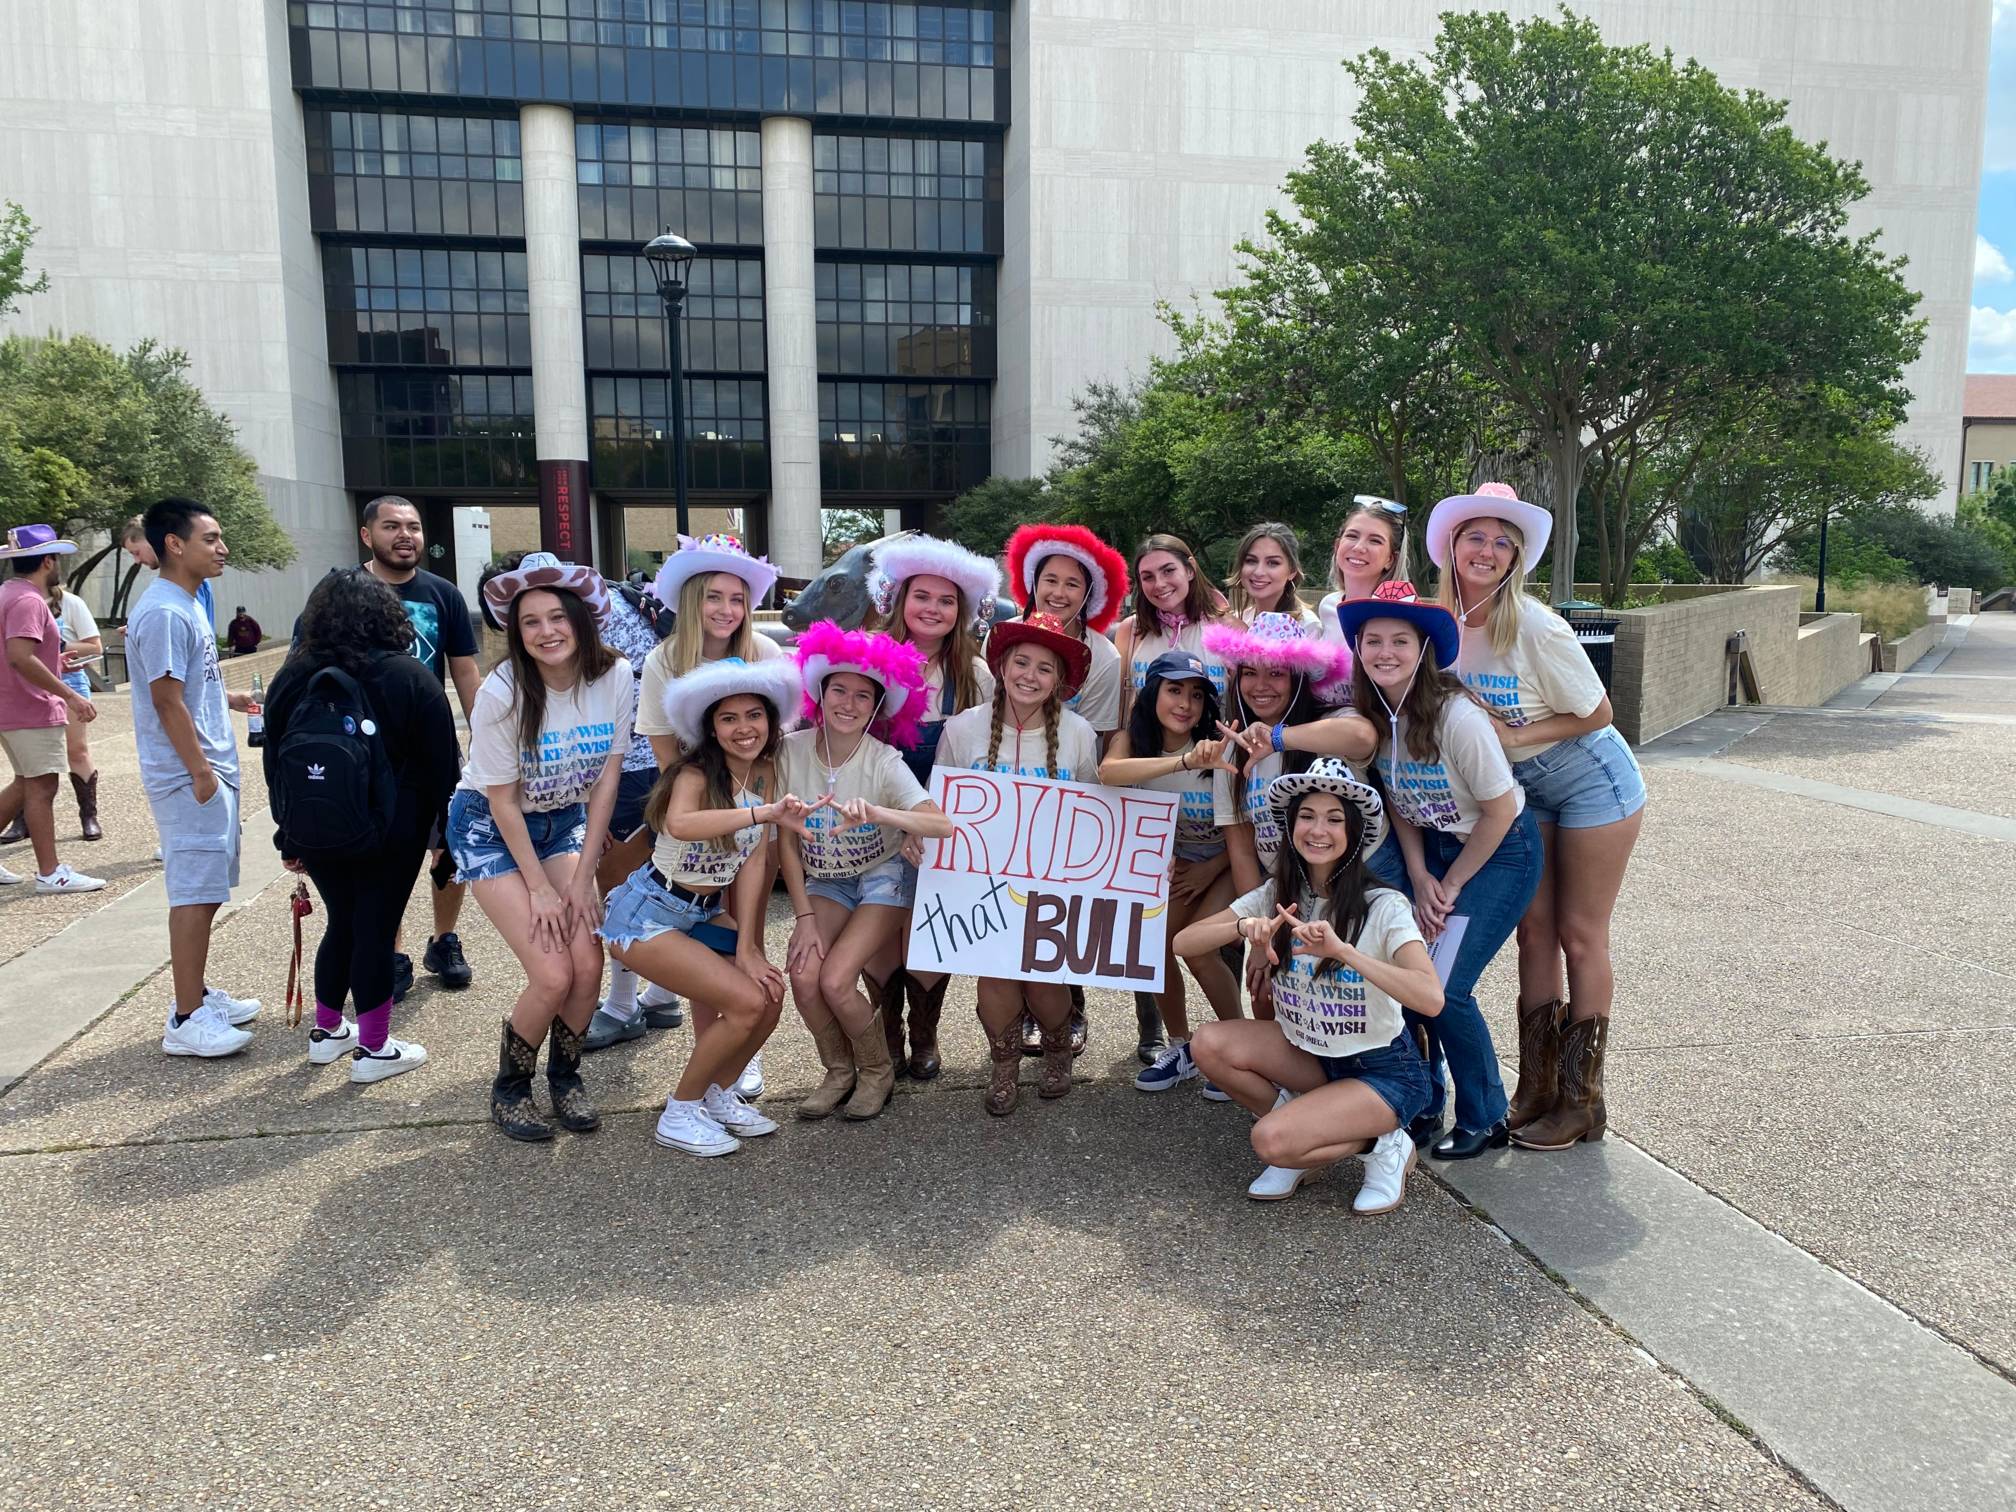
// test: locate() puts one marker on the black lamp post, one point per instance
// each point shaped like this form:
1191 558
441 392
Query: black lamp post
1820 592
668 256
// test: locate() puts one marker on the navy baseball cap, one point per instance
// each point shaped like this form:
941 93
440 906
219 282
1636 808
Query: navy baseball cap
1177 666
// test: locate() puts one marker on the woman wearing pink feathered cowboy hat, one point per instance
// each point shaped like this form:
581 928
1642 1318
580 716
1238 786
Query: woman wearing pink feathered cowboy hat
1523 662
850 888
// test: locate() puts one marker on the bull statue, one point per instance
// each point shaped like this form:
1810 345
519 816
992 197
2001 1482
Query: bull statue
840 592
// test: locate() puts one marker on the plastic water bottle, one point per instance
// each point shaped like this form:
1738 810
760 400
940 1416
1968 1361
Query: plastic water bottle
255 717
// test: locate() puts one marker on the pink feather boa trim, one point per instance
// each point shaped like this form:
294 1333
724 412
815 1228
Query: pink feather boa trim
896 665
1313 658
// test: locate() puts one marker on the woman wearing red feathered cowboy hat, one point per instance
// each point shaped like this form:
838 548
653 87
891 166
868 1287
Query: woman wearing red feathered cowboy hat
546 743
1523 662
1068 573
1038 664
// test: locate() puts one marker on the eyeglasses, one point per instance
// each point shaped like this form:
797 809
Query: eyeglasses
1476 540
1392 508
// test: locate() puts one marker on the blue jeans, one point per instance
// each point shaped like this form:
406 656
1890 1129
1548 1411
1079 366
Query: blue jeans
1495 901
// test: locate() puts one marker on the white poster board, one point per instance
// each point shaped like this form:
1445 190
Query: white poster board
1044 881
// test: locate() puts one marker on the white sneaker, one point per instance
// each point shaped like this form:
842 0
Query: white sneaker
327 1046
203 1033
684 1126
10 879
1276 1183
393 1057
66 879
236 1011
750 1082
736 1116
1387 1163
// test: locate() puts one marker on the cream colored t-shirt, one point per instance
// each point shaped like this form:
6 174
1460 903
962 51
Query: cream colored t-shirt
875 772
1190 638
934 689
702 864
1099 699
1197 831
1447 794
1545 673
1338 1012
579 730
651 718
1022 753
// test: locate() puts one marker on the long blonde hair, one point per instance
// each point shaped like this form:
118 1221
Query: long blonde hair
1398 569
1501 621
686 648
957 655
1236 597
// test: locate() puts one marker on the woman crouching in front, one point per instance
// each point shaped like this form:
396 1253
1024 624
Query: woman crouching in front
713 811
1334 1072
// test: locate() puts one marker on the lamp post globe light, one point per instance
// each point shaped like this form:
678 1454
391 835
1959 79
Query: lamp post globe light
668 256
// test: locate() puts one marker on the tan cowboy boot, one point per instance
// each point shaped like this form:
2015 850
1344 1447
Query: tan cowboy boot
874 1072
838 1059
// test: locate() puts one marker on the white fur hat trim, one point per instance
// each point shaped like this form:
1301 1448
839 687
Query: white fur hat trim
972 574
688 698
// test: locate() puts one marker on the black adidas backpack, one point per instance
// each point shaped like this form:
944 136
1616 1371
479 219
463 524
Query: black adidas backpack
333 793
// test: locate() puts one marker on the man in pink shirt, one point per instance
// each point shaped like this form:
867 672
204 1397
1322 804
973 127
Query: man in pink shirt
35 705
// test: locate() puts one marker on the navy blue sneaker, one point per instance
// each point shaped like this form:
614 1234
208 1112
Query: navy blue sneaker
1172 1068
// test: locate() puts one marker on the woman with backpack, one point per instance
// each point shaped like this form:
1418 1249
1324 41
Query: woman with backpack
360 758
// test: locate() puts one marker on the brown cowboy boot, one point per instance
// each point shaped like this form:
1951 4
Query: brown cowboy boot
1054 1079
1579 1112
1005 1050
891 1007
571 1107
511 1105
838 1059
86 789
927 1004
1539 1063
874 1072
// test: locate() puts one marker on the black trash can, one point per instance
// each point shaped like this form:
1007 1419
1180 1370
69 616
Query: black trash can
1596 628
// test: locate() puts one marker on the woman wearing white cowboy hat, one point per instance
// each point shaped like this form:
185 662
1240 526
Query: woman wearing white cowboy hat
1585 790
1465 846
714 814
546 744
1335 1072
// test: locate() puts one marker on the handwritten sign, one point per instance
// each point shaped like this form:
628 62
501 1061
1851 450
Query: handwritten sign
1044 881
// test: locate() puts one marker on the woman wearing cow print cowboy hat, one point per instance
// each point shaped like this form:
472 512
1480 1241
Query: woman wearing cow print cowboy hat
1583 785
546 743
1334 1073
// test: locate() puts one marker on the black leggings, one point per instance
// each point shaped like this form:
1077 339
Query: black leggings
363 899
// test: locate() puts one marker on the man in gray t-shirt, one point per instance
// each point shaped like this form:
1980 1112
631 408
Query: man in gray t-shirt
189 767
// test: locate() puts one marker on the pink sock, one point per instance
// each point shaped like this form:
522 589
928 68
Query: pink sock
373 1024
327 1019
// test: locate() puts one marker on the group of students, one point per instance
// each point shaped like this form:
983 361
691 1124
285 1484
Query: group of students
1355 780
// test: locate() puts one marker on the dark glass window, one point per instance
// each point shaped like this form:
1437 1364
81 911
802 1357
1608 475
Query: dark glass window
887 57
437 306
905 320
721 324
383 171
638 178
438 430
906 194
630 420
926 438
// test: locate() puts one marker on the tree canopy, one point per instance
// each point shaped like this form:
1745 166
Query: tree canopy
17 232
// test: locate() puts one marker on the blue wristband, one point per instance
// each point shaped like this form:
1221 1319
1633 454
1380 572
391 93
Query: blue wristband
1278 744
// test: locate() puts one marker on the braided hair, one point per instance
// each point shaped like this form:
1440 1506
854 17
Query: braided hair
1053 717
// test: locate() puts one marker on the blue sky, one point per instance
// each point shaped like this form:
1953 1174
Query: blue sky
1992 344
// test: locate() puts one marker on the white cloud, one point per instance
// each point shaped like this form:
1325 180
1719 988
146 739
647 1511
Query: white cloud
1991 341
1990 266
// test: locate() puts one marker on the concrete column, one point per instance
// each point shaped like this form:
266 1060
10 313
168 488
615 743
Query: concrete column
791 344
553 283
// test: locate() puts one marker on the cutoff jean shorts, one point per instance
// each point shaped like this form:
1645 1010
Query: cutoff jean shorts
1584 783
891 884
480 852
1396 1072
641 908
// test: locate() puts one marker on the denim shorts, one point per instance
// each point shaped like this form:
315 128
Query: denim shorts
632 788
641 909
77 682
480 852
199 844
892 884
1396 1072
1199 852
1583 783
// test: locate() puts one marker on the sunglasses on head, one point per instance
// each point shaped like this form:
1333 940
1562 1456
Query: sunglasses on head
1392 508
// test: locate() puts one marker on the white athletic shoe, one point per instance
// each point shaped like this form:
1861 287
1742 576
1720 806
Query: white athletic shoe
393 1057
203 1033
750 1082
1276 1183
236 1011
1387 1163
685 1126
736 1116
10 879
67 879
327 1046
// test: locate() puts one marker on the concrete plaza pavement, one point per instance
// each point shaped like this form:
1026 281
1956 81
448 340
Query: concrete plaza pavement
251 1283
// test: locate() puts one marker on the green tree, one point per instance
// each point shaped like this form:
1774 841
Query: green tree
842 529
982 518
88 436
1616 244
17 232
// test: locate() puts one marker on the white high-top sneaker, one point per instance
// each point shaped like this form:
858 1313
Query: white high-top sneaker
750 1082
